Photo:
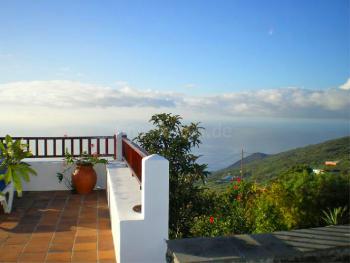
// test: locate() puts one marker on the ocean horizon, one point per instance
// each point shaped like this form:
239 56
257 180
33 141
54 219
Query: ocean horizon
222 141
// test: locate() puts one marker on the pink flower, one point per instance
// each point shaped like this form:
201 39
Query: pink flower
238 180
65 135
92 145
211 220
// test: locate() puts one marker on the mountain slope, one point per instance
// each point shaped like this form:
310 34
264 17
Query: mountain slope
248 159
312 155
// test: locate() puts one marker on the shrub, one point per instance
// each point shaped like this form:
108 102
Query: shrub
230 214
310 193
175 141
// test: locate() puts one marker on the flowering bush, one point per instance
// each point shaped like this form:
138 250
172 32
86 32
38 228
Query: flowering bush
230 213
296 200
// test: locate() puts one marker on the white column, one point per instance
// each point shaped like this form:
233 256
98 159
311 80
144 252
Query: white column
155 204
120 146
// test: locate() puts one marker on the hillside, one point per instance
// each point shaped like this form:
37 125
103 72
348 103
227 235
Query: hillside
268 167
248 159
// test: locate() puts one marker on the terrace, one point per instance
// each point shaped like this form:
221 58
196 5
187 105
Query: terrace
57 226
51 224
126 218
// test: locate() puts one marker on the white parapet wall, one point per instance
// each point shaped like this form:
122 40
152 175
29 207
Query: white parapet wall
139 237
46 178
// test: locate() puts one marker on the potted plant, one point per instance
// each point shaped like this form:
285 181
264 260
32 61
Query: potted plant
83 179
12 167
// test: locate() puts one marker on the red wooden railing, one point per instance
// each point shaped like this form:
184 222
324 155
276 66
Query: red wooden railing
47 147
133 155
104 146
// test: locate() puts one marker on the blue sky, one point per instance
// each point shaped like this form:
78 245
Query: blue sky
193 47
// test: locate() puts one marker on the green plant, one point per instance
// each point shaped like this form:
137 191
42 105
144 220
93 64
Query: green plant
231 213
12 154
335 216
175 141
311 193
84 159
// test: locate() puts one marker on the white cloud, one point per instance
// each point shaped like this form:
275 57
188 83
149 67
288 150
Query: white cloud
61 101
346 85
121 83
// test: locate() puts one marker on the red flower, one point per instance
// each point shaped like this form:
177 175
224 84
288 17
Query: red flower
238 180
238 198
211 220
235 187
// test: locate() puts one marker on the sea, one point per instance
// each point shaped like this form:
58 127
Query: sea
222 141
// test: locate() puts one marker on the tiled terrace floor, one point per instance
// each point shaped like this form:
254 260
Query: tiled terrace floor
57 227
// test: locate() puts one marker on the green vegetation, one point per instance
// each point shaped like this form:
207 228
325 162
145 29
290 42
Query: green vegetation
175 141
296 200
295 197
266 168
335 216
14 169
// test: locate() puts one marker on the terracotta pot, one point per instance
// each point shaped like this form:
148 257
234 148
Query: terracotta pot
84 179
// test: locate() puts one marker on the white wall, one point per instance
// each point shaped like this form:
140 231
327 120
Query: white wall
46 179
139 237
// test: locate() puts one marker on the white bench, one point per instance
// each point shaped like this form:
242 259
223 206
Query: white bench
139 237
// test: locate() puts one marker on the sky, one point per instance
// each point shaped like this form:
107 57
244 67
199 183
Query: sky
83 63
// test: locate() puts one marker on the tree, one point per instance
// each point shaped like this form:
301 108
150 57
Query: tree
175 141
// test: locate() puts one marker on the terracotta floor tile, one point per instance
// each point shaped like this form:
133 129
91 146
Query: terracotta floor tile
65 234
104 232
12 248
88 224
106 254
87 232
85 239
105 245
36 247
47 235
92 246
40 240
59 257
53 221
17 240
32 257
84 256
8 255
60 247
45 228
63 239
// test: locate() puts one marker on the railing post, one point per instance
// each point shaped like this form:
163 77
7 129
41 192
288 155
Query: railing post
155 204
118 147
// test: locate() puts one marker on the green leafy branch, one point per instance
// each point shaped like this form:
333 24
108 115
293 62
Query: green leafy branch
12 153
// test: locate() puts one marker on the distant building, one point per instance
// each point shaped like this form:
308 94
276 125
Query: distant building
318 171
331 163
225 179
